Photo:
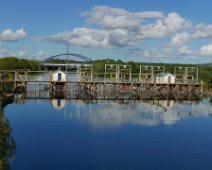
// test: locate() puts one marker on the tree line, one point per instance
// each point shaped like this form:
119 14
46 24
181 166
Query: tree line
13 63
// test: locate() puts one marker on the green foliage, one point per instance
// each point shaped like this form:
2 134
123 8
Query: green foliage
9 63
99 66
12 63
7 144
205 73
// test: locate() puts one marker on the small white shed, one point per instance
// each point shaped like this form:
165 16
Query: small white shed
165 78
58 76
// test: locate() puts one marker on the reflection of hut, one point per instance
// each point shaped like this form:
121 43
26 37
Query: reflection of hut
165 78
58 103
58 81
166 104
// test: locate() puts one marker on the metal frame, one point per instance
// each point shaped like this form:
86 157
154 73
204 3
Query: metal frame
86 69
186 74
150 71
121 72
111 69
126 70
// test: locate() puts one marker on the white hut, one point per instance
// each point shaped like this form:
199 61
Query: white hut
58 81
165 78
58 76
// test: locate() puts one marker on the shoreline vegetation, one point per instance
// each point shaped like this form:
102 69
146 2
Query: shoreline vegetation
7 143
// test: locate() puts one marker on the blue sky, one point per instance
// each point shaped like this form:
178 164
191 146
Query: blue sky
138 30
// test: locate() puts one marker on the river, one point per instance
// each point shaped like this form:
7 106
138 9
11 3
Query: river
109 134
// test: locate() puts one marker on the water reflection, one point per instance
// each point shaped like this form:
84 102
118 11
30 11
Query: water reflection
211 100
103 113
58 104
148 113
81 143
7 143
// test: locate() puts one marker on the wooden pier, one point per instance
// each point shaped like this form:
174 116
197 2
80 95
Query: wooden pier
141 84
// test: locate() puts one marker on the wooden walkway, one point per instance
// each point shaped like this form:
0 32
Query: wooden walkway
94 84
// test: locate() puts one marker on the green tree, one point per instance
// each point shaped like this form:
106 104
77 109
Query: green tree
7 144
12 63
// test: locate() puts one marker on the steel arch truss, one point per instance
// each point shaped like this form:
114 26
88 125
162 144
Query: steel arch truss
69 54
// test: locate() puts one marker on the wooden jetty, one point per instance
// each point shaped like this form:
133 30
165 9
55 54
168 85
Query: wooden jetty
150 81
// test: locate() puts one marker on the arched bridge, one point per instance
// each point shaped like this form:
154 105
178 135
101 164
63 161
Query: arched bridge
69 54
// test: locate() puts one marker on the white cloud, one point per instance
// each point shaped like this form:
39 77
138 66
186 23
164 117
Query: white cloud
108 27
206 50
174 22
154 30
178 45
86 37
180 39
94 38
39 55
151 53
161 36
122 38
184 50
9 35
3 51
116 18
202 31
83 37
165 27
42 53
119 28
22 54
150 14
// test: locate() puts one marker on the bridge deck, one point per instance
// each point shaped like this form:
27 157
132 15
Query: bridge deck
106 82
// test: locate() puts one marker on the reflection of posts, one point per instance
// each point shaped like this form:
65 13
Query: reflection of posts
7 144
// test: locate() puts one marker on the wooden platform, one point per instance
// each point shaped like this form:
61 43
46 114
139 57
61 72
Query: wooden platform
23 79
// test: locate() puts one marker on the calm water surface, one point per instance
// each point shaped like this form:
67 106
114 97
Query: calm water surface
76 134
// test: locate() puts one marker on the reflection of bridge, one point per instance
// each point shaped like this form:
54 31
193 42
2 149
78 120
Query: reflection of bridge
79 91
116 112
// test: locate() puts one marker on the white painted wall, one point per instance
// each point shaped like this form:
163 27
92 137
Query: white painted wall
165 79
56 74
